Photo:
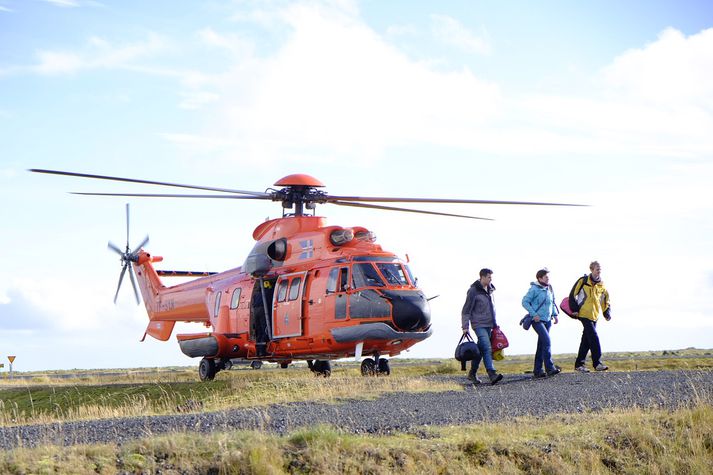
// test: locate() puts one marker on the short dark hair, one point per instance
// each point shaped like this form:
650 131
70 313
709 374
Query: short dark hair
541 273
484 272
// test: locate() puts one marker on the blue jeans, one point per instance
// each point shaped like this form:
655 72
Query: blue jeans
544 347
486 351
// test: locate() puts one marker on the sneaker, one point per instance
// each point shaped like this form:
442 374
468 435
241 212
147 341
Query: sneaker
474 377
601 367
539 375
581 369
554 371
494 376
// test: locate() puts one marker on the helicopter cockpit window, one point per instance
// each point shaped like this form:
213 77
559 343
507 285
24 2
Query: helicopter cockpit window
410 275
295 288
235 300
343 279
365 275
393 273
282 291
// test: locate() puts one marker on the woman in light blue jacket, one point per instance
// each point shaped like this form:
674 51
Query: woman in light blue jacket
540 304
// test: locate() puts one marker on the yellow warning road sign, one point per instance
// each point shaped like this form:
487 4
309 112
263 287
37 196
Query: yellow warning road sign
11 358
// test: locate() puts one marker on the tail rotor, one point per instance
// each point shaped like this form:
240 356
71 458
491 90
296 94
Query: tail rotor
127 257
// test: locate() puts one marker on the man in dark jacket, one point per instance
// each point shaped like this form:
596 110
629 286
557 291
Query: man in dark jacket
479 312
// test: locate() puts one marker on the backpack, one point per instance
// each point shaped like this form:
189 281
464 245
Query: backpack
466 350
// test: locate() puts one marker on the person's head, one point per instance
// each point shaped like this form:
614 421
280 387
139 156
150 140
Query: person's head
596 269
486 276
543 276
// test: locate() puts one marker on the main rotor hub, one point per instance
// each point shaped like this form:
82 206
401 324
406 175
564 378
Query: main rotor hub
300 191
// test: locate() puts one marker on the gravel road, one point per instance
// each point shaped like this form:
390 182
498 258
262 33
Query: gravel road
400 412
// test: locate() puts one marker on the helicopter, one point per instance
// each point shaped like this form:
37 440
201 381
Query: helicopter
306 291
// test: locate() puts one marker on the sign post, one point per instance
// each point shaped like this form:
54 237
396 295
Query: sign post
11 358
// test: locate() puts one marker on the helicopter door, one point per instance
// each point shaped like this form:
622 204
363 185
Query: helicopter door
337 286
287 314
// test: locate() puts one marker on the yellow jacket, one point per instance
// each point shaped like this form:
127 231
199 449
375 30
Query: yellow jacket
590 299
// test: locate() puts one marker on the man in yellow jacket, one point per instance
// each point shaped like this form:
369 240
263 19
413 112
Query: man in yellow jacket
589 300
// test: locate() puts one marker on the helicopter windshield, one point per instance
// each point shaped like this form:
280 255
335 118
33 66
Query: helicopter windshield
393 273
365 275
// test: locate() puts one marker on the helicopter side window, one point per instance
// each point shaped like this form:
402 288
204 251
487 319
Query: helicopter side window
282 291
235 300
295 288
365 275
332 280
217 304
393 273
343 279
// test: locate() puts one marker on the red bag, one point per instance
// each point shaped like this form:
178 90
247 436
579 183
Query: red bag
565 307
498 340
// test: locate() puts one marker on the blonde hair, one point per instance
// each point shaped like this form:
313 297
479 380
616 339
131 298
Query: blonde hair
594 264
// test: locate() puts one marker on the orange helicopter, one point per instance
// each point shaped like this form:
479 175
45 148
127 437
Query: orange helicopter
307 290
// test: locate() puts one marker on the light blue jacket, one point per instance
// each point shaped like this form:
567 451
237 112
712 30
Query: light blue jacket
540 301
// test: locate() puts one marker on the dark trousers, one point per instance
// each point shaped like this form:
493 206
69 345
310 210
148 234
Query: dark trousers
590 342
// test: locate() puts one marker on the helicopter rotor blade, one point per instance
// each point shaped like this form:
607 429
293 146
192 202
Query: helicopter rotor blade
149 182
167 195
121 278
115 248
332 198
133 283
407 210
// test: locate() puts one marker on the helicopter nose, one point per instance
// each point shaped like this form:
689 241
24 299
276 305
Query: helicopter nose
411 310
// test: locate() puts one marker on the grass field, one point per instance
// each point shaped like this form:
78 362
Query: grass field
634 441
613 441
51 397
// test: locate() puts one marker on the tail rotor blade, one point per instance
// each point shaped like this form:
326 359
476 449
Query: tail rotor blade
115 248
133 284
121 278
143 243
127 225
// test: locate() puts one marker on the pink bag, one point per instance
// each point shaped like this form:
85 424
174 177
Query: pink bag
565 307
498 340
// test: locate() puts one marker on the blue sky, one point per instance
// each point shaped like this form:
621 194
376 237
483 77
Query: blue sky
605 103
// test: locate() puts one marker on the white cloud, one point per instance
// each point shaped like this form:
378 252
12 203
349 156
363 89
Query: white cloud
99 53
450 31
196 99
63 3
5 9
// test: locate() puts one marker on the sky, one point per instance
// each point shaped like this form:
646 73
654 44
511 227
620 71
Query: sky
608 104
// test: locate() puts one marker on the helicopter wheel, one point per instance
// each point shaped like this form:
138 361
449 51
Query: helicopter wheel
368 367
256 364
206 369
383 367
322 368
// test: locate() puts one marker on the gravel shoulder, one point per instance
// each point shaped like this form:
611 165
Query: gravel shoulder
516 395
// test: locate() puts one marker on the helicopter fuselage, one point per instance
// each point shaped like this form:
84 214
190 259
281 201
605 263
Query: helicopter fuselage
306 291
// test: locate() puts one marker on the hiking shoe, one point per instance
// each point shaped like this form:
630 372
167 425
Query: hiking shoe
539 375
494 376
581 369
601 367
554 371
474 377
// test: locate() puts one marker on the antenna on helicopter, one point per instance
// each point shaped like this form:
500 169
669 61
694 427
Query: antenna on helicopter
127 257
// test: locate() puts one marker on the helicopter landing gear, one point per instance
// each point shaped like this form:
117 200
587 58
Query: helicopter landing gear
377 367
207 369
320 367
368 367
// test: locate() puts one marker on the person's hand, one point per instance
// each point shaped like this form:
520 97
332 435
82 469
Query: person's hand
536 319
557 320
607 317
